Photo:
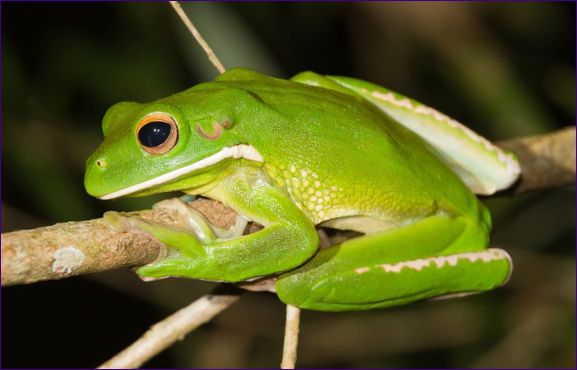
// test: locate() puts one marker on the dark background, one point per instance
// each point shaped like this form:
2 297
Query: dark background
505 69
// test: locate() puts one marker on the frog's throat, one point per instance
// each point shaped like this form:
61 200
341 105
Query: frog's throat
236 152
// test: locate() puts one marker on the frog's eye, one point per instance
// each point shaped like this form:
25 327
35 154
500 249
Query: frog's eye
157 133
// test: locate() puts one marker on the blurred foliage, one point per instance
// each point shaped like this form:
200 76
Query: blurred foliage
506 69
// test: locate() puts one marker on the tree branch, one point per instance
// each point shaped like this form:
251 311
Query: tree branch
74 248
547 161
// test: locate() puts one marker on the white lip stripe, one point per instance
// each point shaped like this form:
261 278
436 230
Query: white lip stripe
236 152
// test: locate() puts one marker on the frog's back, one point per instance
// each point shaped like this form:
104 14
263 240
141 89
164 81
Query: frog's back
342 159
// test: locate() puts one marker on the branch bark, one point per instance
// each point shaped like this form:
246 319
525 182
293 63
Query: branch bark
547 161
74 248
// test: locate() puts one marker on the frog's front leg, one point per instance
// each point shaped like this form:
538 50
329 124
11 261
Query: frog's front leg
287 240
435 257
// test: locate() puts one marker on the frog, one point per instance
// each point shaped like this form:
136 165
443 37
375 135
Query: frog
309 152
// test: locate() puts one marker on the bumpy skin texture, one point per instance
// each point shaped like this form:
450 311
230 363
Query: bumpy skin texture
325 156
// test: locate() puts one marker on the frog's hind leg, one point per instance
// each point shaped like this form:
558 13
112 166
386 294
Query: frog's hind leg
435 257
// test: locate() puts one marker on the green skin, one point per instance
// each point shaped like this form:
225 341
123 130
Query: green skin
329 156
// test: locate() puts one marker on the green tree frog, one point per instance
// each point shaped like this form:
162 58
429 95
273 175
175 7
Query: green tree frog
313 151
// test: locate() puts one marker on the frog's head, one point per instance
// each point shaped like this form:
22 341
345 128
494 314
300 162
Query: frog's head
183 142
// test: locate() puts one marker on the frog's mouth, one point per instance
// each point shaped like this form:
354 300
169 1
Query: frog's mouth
236 152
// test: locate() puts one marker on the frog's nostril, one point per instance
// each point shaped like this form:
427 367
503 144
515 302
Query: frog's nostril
101 163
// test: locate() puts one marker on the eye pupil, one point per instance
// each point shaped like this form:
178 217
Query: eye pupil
154 134
157 133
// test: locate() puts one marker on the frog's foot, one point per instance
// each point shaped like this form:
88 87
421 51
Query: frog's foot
189 242
185 248
191 218
125 224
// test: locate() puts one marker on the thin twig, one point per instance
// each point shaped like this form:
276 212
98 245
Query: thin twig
291 337
186 20
166 332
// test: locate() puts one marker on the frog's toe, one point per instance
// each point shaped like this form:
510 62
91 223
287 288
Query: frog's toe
176 204
168 267
128 224
118 221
